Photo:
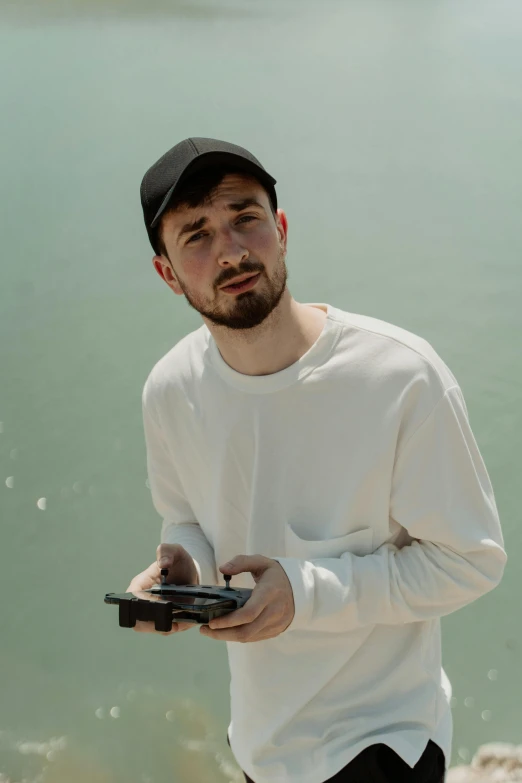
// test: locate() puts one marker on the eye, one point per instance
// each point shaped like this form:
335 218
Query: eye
195 237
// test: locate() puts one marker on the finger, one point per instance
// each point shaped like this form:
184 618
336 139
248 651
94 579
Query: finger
244 632
185 626
143 626
139 585
253 609
147 578
146 626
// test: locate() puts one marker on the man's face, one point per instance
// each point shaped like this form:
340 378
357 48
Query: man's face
211 244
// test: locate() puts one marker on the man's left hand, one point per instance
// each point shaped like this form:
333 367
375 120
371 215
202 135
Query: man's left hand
269 610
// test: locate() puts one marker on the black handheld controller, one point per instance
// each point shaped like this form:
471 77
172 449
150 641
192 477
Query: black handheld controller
164 603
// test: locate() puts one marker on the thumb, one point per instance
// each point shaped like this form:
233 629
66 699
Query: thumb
231 567
243 563
165 554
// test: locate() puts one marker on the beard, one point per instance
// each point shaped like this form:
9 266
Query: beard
246 310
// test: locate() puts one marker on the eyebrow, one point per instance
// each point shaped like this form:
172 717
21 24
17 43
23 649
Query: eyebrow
236 206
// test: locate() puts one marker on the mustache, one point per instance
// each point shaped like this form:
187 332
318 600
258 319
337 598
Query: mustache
249 269
236 272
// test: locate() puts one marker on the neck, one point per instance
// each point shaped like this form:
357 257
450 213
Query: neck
284 336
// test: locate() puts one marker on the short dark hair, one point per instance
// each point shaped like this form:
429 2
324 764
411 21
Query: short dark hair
194 192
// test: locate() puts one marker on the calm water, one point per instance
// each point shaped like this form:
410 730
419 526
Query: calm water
394 132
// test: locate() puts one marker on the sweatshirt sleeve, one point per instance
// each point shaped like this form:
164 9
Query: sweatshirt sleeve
441 494
179 523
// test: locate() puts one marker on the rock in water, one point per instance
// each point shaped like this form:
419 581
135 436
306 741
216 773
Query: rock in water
496 762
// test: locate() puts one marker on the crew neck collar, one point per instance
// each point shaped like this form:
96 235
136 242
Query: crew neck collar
261 384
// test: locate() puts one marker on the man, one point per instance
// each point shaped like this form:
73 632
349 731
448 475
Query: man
329 457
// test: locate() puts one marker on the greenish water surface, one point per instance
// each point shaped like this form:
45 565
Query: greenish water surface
394 131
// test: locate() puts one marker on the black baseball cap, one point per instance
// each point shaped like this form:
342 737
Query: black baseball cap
186 158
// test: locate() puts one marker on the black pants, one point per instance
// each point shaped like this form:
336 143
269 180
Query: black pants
380 764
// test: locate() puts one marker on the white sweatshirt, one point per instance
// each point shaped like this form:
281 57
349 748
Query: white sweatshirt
357 470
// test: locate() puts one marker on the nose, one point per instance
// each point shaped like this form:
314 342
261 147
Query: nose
230 250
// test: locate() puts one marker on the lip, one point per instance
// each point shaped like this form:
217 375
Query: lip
246 285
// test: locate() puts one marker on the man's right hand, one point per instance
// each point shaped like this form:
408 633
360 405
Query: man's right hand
182 571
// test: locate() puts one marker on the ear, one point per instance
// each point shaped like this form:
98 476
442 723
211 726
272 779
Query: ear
164 270
282 226
157 263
